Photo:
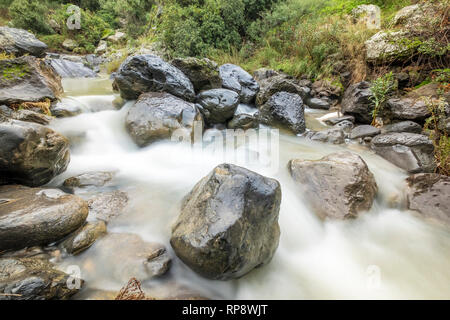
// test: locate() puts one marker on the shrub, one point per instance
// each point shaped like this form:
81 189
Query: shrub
30 15
382 88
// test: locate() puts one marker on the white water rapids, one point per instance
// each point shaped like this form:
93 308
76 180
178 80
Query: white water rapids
387 253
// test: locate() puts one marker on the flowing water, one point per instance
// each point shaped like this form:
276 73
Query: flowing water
386 253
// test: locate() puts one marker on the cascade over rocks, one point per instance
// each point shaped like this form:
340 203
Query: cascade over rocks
228 223
148 73
157 115
338 186
31 154
37 216
237 79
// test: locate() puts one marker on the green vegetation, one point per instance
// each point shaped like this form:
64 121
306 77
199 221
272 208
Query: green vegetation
382 88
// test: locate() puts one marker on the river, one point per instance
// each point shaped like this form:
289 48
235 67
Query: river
387 253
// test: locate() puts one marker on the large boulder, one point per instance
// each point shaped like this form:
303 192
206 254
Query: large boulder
279 83
25 115
333 135
370 15
403 126
357 102
20 42
237 79
37 216
409 151
338 186
218 105
228 223
364 131
70 69
285 111
28 79
408 109
203 73
157 115
147 73
429 194
124 256
386 46
34 279
31 154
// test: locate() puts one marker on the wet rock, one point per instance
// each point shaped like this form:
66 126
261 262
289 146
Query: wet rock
370 15
228 223
333 135
316 103
20 42
203 73
357 102
237 79
31 154
408 109
285 111
404 126
28 79
124 256
335 121
69 44
218 105
338 186
65 110
69 69
243 121
386 46
364 131
280 83
346 125
146 73
107 205
246 109
37 216
409 151
83 238
264 73
89 179
25 115
33 279
157 115
428 194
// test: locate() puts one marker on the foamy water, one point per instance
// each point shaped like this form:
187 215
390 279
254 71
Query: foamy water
387 253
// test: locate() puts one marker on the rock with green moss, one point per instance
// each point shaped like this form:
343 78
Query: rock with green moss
203 73
20 42
28 79
387 46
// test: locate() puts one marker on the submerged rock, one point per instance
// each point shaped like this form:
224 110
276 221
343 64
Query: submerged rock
147 73
429 194
20 42
228 223
218 105
157 115
34 279
203 73
28 79
338 186
357 102
83 238
409 151
237 79
37 216
285 111
31 154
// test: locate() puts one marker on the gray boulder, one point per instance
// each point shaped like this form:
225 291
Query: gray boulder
428 194
228 223
147 73
218 105
364 131
279 83
28 79
157 115
107 206
403 126
409 151
20 42
237 79
357 102
285 111
33 279
70 69
408 109
37 216
338 186
316 103
31 154
203 73
333 135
